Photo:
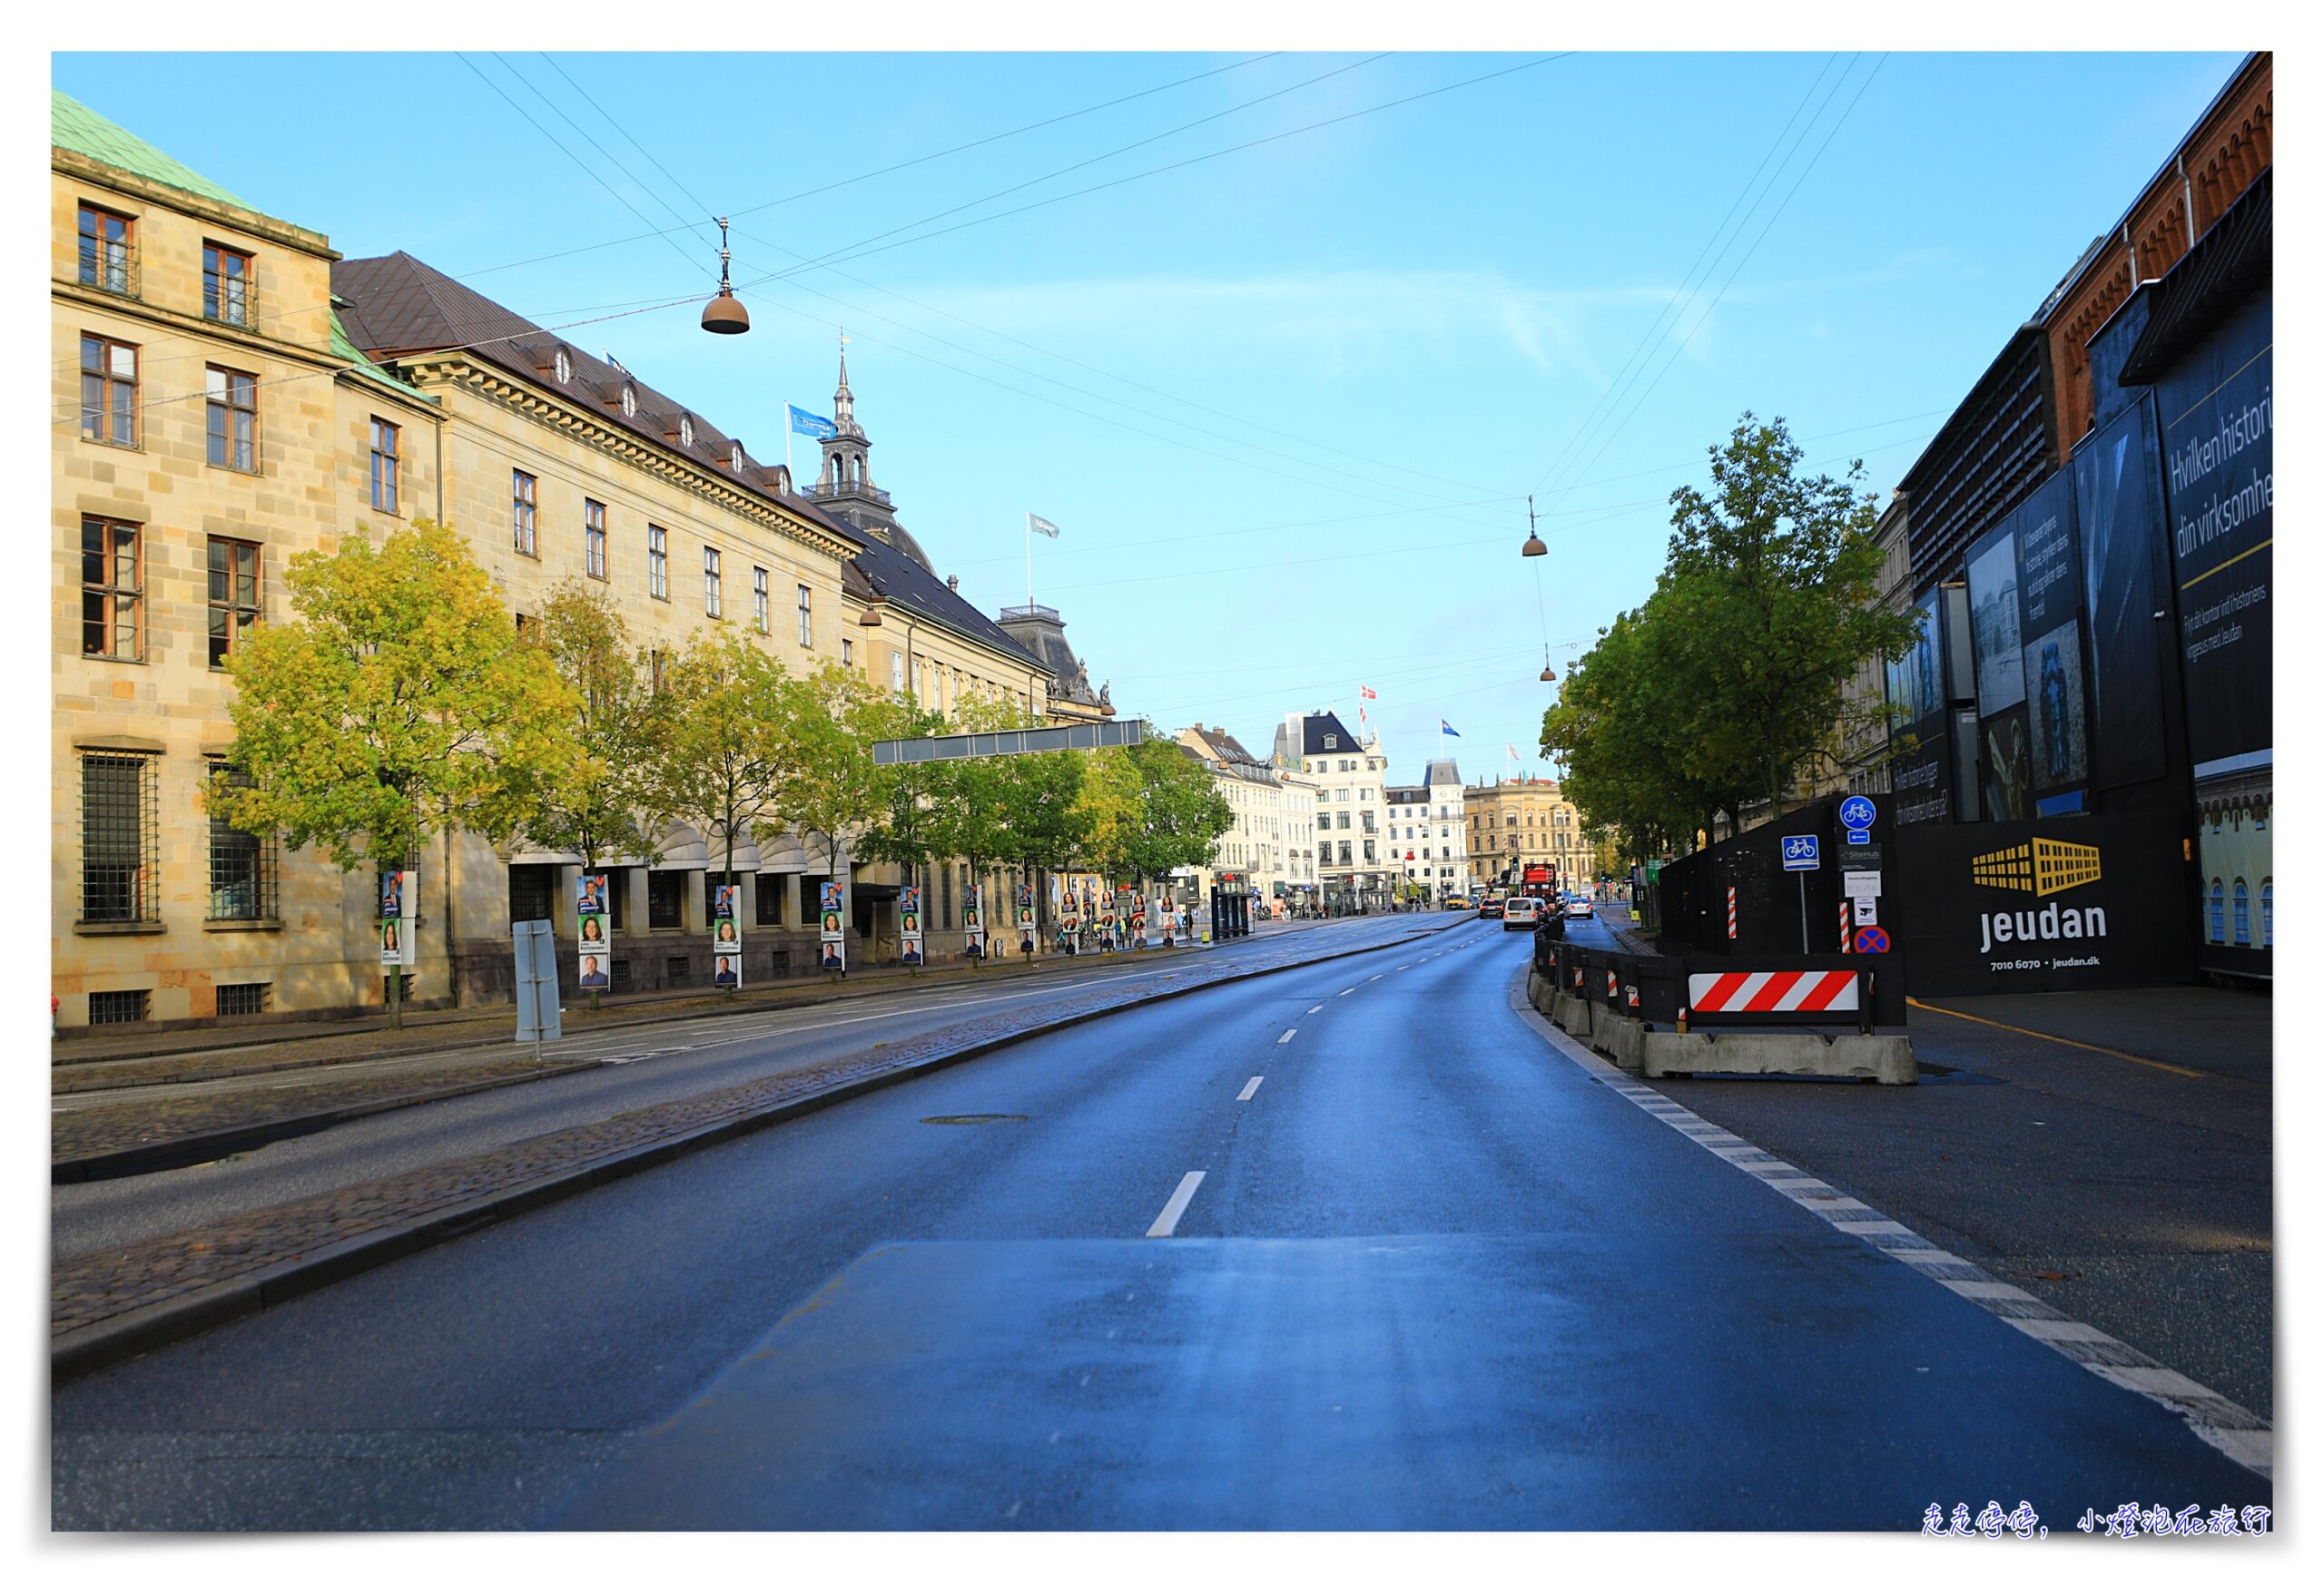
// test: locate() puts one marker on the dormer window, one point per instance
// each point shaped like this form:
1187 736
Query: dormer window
1330 740
685 431
735 455
629 400
564 367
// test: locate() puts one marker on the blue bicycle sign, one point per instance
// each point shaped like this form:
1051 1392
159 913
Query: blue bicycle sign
1799 853
1858 813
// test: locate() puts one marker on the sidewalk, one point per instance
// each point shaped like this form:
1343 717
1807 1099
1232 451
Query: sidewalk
85 1062
131 1298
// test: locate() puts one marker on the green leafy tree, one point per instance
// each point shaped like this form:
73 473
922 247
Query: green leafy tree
971 810
722 751
830 791
401 703
617 812
1181 812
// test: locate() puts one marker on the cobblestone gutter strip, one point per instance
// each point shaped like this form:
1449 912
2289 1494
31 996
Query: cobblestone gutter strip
129 1140
118 1301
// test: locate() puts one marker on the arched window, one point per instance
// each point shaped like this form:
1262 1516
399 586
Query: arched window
735 455
2218 914
685 431
629 400
2267 913
564 367
2242 913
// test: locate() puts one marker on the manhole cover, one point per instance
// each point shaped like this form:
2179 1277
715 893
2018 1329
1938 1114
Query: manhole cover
964 1120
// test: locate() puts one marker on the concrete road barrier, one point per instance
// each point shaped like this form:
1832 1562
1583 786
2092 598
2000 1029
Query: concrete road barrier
1635 1046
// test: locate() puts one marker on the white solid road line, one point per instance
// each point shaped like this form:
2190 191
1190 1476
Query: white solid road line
1166 1221
1250 1087
1288 1033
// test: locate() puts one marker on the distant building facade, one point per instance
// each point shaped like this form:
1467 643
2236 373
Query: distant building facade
1353 871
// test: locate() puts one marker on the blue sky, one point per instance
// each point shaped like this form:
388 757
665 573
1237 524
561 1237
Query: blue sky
1285 403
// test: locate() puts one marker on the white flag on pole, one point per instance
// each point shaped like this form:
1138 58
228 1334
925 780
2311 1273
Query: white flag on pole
1041 525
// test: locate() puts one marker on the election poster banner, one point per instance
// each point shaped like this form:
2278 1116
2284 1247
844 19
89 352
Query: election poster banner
907 914
593 924
726 935
1025 918
399 918
972 919
832 935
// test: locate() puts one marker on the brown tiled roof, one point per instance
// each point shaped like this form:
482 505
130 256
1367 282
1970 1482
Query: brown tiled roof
397 306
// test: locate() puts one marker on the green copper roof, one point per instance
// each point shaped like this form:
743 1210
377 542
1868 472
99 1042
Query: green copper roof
73 125
342 346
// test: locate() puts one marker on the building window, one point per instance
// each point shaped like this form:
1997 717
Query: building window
113 584
735 455
806 618
523 505
770 889
847 651
665 899
532 891
629 400
762 616
712 605
234 595
241 865
232 400
106 240
2242 913
895 672
243 999
118 826
2268 912
387 466
593 536
657 562
225 284
108 391
117 1005
1347 854
2218 930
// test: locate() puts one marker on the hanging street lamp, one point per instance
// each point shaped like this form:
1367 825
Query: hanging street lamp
723 314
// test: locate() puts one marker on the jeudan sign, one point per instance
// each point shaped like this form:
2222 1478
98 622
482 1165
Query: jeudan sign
2094 903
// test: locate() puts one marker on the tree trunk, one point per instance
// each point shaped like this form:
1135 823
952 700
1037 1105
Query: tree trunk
451 960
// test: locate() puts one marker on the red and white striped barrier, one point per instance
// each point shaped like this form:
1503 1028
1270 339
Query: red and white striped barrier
1817 989
1731 912
1847 932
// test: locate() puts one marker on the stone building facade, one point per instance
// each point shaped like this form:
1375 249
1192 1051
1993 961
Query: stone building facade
1513 823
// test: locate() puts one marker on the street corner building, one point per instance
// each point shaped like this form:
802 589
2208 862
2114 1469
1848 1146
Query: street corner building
230 392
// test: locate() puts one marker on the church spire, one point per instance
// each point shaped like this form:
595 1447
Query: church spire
844 398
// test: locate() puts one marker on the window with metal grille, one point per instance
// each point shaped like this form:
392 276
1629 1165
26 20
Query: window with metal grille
241 865
106 239
657 562
679 971
771 887
532 891
760 617
241 999
665 900
118 825
225 284
525 491
112 588
233 404
621 974
234 595
108 391
593 538
386 465
713 600
117 1005
806 622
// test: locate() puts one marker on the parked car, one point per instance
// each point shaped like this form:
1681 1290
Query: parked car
1579 906
1522 912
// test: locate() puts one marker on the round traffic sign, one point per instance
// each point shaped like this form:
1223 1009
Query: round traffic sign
1872 938
1858 813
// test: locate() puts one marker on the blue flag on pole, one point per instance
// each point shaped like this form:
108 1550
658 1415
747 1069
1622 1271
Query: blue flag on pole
812 426
1447 726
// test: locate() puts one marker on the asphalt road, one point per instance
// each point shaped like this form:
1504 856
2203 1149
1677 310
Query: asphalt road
646 1065
1351 1246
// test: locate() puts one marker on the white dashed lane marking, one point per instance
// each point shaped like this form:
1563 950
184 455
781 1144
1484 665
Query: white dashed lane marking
1251 1088
1166 1221
1288 1033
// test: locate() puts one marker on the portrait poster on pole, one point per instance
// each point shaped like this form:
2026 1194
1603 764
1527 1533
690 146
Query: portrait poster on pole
592 927
972 919
1025 918
726 936
908 904
399 918
832 936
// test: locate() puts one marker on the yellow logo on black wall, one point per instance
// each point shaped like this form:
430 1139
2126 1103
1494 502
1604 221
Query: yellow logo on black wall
2043 867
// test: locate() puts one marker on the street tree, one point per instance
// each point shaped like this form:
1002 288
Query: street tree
973 811
830 791
399 704
1181 813
617 812
722 751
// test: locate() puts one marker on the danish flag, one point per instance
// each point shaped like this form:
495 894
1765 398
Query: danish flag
1364 691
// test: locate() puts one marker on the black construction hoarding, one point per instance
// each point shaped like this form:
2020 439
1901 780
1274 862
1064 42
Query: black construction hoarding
2049 621
2119 507
2218 413
1916 698
2086 903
